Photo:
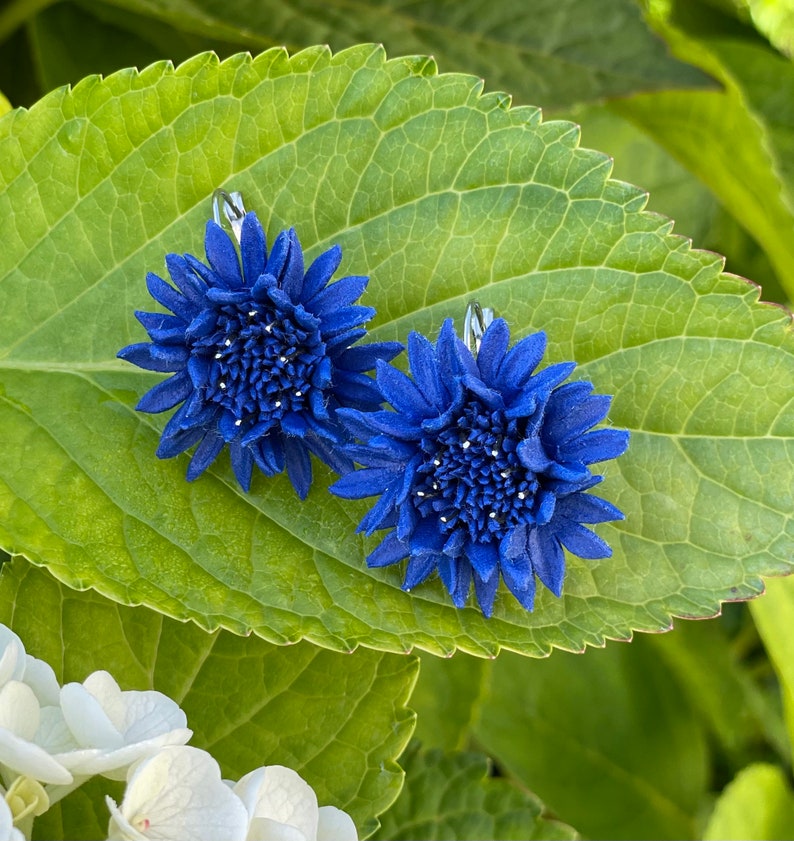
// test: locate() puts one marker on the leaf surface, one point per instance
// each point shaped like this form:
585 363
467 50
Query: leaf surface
452 796
604 739
339 720
758 804
552 52
438 192
739 141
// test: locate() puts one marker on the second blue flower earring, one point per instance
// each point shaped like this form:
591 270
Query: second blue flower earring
483 469
262 352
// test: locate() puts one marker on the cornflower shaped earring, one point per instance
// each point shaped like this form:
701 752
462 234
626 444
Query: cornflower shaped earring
483 468
262 353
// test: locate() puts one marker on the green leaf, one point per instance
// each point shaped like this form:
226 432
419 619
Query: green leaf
338 719
720 688
439 193
774 618
675 192
758 804
69 42
441 721
740 141
452 796
5 105
604 739
549 52
775 18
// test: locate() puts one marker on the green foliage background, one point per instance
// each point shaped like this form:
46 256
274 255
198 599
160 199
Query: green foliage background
439 189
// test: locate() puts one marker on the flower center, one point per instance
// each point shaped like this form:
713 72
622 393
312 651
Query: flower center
263 361
472 477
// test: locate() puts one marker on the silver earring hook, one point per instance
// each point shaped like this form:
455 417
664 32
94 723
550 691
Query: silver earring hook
233 210
475 323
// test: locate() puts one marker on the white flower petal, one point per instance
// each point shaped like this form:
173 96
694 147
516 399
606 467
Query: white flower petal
86 718
335 825
8 832
281 795
263 829
19 709
26 757
12 658
20 717
178 794
118 728
114 764
40 677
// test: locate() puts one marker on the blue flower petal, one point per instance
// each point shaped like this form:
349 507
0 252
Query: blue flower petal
340 294
242 464
581 541
151 357
599 445
548 560
520 362
364 357
363 483
320 272
492 350
167 394
586 508
390 550
484 558
417 570
401 392
206 452
486 593
424 368
299 467
253 249
379 513
166 295
291 279
186 281
222 256
162 328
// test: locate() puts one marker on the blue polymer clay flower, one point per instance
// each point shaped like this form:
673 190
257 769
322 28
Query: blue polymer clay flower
483 467
262 355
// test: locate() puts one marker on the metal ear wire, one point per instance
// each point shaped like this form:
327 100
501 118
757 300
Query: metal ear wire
233 210
475 323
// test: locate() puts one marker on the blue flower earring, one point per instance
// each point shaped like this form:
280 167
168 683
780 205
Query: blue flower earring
262 353
483 468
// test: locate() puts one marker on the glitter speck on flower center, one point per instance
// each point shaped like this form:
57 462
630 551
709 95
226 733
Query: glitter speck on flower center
262 369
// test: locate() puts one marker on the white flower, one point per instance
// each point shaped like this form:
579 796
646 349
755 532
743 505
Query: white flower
8 832
177 795
283 807
22 734
113 729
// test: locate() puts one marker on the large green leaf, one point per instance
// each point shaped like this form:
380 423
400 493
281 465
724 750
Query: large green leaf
452 796
438 192
605 739
758 804
446 699
675 192
552 52
774 617
70 41
338 719
739 141
721 688
5 105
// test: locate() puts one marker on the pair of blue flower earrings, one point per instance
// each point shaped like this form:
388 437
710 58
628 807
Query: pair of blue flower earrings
481 466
